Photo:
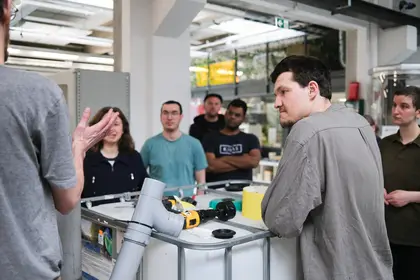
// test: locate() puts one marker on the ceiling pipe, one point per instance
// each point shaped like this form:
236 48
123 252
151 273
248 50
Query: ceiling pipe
25 48
67 23
18 34
57 64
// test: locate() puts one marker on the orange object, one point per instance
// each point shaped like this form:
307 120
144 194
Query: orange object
200 109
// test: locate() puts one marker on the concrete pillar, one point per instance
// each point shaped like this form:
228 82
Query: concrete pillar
152 42
361 55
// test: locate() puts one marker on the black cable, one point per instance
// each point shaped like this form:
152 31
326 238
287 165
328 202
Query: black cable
135 222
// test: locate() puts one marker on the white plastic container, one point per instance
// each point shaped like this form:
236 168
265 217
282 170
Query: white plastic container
160 261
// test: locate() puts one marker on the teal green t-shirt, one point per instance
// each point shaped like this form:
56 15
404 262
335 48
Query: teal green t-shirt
174 162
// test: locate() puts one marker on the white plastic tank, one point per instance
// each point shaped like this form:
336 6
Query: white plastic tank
160 261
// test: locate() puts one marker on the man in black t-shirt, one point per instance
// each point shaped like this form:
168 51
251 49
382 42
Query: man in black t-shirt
231 153
211 120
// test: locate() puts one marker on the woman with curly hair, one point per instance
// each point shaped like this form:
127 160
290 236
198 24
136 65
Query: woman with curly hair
113 166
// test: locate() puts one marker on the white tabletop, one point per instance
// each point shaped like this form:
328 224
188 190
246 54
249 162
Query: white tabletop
201 234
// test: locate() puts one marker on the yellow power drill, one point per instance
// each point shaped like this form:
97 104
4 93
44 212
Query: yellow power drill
224 211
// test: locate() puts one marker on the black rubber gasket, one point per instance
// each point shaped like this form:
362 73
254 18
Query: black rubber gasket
223 233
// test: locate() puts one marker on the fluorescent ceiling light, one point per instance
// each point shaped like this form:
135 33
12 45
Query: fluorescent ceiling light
198 54
39 53
13 51
198 69
52 55
277 35
242 26
37 36
100 60
93 67
56 64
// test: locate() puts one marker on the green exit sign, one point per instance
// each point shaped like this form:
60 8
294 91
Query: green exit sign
282 23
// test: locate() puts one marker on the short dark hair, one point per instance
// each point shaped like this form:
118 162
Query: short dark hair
238 103
213 95
305 69
411 91
126 143
173 102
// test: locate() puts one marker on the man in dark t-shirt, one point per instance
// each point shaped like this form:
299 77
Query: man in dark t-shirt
231 153
211 120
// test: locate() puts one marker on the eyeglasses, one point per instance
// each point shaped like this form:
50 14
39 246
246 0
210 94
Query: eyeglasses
173 113
13 12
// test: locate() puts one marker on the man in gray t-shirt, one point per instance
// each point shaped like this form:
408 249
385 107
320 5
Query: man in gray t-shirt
328 190
37 165
41 168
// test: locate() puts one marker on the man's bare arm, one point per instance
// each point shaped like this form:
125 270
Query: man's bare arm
246 161
66 199
200 176
217 165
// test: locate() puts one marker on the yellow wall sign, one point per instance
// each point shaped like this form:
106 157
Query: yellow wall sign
201 75
221 73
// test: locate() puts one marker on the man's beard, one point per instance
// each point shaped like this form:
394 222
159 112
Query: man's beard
170 130
287 124
211 116
231 127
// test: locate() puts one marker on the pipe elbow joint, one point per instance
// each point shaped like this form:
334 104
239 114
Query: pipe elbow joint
167 222
151 211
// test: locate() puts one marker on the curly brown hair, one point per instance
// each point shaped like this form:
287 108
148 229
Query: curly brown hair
126 143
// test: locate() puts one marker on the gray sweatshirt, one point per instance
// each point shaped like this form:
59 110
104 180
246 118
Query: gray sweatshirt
329 191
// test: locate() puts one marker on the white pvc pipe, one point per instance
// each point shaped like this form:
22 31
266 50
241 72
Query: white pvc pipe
149 213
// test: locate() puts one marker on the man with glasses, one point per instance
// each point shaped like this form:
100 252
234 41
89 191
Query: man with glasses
173 157
231 153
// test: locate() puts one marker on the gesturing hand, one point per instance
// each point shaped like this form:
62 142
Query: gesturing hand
84 136
398 198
